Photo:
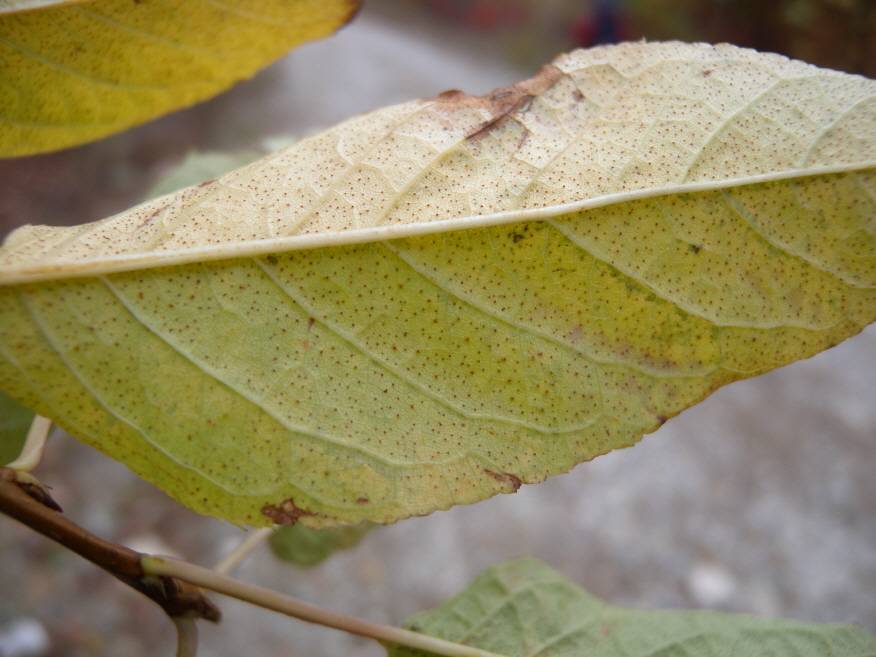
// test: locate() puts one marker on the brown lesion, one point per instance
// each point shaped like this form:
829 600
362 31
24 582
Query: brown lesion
505 103
507 478
152 216
285 513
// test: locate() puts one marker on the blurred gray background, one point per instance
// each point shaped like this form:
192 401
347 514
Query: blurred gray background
762 499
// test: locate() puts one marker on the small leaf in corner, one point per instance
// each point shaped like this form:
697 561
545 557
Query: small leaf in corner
524 608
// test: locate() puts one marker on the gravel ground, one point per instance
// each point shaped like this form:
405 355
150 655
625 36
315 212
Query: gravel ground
761 499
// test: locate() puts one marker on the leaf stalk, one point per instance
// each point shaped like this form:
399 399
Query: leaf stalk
186 636
34 444
284 604
243 549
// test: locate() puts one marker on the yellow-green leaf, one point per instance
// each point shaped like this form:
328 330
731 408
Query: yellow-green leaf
75 72
523 608
441 300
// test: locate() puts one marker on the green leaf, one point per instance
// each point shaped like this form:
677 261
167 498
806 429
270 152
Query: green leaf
73 72
524 608
438 301
305 546
14 423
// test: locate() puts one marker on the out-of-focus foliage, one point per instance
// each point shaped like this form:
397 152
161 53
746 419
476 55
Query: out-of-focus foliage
304 546
197 167
526 609
14 422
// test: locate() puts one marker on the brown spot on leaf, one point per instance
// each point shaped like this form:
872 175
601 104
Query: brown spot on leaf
362 500
206 183
450 94
151 217
503 103
285 513
310 322
577 95
506 478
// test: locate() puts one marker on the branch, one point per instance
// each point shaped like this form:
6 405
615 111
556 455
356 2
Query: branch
174 585
257 595
30 504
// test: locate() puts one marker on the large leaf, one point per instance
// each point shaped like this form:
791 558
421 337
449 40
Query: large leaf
72 72
441 300
524 608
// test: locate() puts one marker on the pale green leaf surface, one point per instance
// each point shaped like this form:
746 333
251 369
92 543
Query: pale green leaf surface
15 421
305 546
572 261
524 608
75 72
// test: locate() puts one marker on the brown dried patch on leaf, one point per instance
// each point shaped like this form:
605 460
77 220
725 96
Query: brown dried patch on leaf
503 103
285 513
451 94
506 478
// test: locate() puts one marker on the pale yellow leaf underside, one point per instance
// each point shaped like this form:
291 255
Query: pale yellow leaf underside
597 124
574 260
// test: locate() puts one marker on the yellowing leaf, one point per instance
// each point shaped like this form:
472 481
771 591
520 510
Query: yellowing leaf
441 300
74 72
523 608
